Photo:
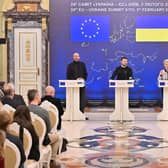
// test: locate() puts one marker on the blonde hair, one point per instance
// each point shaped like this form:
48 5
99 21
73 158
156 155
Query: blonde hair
5 120
165 61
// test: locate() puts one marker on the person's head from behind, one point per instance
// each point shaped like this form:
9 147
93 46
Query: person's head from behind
11 86
22 115
165 64
8 91
5 120
33 96
76 57
50 91
124 61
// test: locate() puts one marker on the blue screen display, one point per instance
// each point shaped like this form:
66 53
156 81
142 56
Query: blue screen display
102 32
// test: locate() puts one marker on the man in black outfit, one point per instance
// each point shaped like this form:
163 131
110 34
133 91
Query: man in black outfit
123 72
77 70
49 96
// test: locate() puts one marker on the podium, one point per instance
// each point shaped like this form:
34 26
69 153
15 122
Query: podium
121 112
72 111
163 115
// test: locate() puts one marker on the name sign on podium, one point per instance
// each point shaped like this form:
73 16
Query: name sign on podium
163 83
121 83
71 83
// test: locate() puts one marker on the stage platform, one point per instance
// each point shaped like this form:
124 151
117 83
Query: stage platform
141 114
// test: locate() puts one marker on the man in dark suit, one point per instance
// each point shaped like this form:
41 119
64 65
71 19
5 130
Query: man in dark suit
123 72
77 70
49 96
10 97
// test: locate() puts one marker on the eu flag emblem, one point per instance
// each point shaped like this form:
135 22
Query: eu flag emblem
90 28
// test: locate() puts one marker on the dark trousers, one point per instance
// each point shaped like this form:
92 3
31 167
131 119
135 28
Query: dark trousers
159 103
82 99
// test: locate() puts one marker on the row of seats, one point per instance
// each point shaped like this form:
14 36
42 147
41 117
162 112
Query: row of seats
11 152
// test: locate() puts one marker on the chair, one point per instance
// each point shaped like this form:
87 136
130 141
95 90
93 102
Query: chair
2 141
53 114
40 127
14 129
12 155
8 109
27 139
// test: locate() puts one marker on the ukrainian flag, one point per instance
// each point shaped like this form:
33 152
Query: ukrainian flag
152 29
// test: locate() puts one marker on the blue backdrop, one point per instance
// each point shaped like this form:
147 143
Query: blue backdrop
102 32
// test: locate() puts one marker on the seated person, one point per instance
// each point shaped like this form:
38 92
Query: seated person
10 97
23 118
5 120
49 96
50 138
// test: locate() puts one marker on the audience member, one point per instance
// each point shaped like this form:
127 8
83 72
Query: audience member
50 138
5 120
49 96
10 97
23 118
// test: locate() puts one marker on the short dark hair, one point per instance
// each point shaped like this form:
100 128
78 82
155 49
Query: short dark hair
31 94
123 58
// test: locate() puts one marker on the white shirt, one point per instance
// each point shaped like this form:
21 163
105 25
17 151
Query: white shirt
163 75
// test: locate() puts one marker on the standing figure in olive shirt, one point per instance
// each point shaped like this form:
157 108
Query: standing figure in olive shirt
77 70
123 72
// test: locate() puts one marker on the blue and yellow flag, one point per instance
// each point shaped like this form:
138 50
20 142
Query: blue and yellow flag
152 29
90 28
